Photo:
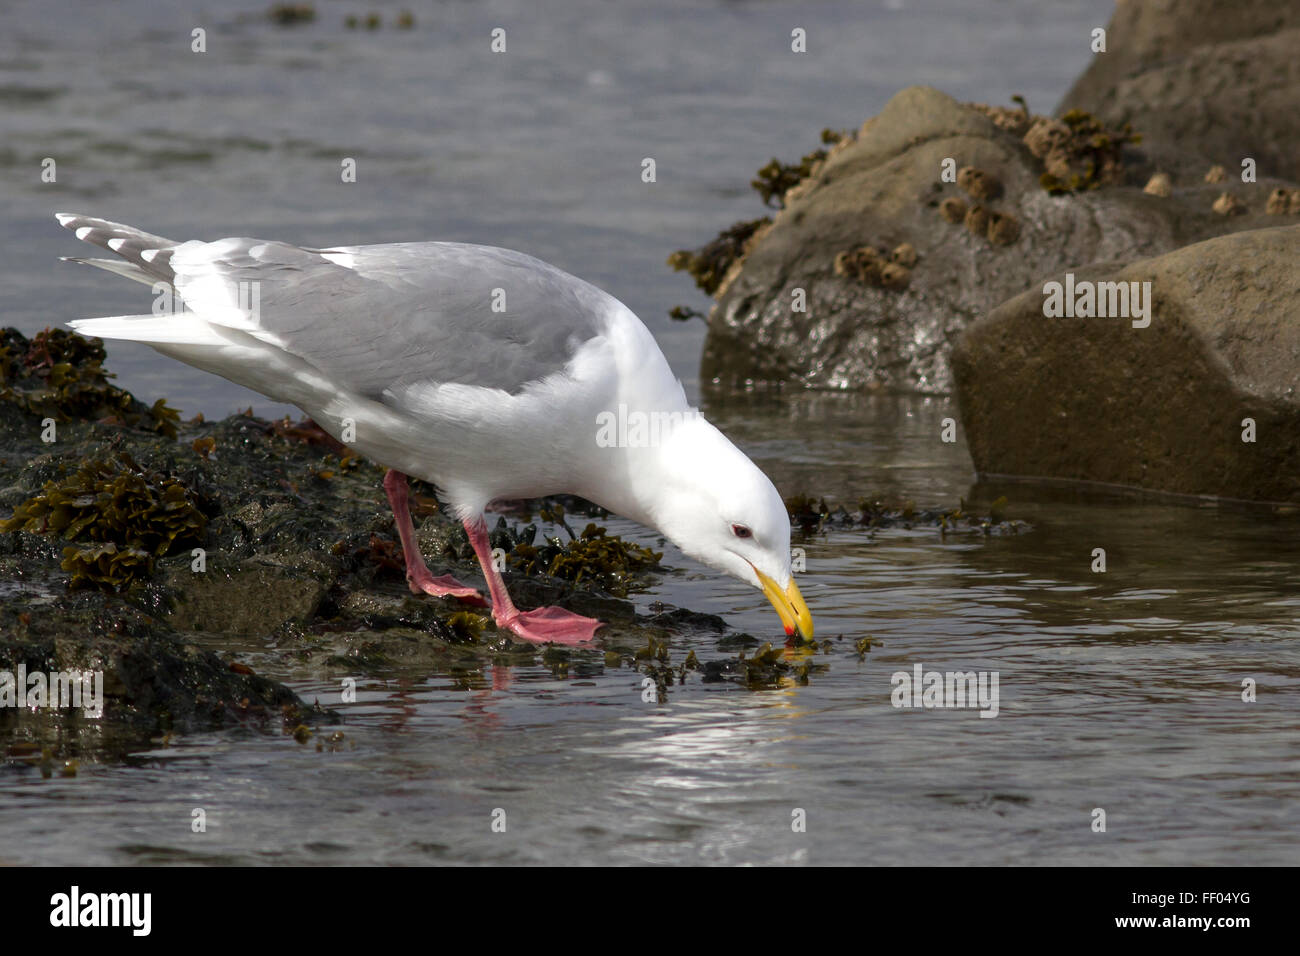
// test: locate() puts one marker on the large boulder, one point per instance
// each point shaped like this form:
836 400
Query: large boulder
884 188
1163 406
1206 81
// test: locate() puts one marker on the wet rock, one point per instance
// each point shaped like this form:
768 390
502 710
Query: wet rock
1163 407
879 512
680 617
1205 81
885 186
246 596
153 681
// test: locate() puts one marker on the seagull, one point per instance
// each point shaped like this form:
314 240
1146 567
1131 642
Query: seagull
484 371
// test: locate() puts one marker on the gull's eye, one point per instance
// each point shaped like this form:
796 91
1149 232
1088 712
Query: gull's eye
741 531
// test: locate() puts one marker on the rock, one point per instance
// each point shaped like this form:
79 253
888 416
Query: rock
253 595
885 187
1205 81
1161 407
153 681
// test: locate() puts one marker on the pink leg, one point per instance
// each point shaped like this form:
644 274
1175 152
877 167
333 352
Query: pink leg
541 626
418 576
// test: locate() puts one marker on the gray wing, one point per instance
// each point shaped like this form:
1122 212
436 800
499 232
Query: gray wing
380 317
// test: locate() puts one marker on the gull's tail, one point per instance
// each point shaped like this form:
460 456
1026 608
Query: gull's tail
145 258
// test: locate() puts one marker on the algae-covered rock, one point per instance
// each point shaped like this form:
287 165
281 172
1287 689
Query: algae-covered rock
120 516
1204 400
886 187
59 375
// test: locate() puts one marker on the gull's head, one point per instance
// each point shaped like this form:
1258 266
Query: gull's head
719 508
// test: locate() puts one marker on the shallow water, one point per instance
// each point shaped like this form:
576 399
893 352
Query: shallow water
1119 690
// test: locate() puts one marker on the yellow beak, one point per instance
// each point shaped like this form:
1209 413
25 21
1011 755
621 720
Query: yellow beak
789 605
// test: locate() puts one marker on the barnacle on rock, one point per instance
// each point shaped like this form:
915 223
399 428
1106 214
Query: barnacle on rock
862 263
895 277
126 516
1015 121
1281 201
953 210
1078 151
904 254
1228 205
1161 184
1003 229
874 267
977 220
978 183
1216 174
